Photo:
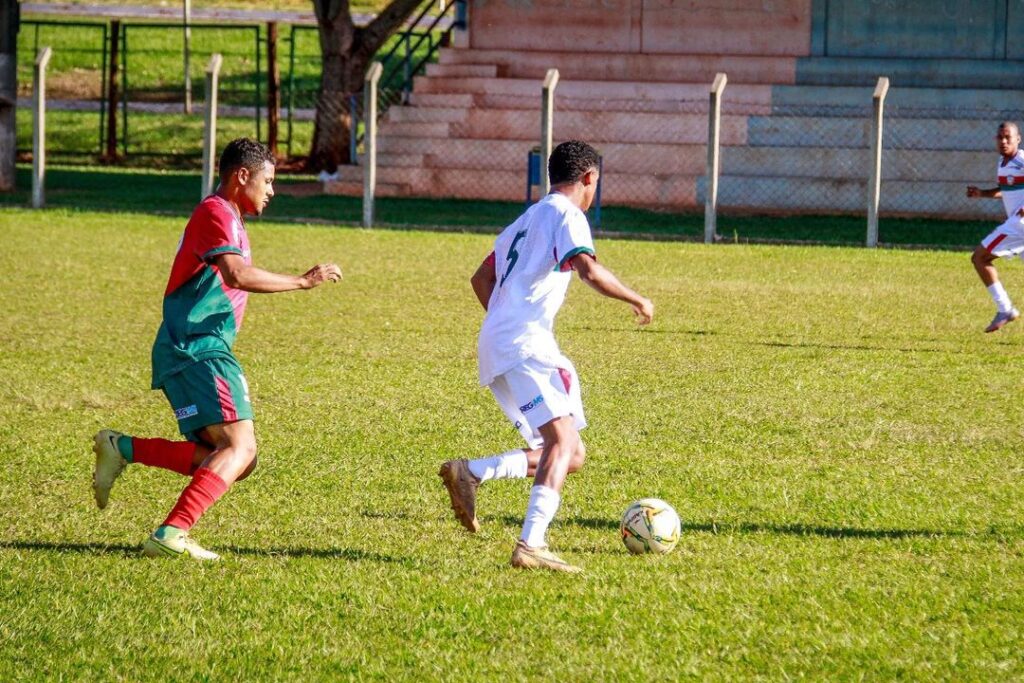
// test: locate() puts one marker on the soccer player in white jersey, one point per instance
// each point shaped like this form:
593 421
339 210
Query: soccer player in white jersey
1008 238
521 285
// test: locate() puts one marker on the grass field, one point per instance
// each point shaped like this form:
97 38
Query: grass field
841 441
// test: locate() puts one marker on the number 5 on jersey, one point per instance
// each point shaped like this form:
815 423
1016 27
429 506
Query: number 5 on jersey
512 256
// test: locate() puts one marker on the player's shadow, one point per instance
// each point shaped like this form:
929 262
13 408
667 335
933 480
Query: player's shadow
124 550
757 528
850 347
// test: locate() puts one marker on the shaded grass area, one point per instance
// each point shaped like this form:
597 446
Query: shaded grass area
850 498
148 191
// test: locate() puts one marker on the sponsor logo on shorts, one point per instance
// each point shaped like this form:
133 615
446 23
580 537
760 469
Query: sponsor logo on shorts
186 412
532 404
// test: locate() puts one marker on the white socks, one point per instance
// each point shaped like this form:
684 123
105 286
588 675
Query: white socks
511 465
544 503
999 295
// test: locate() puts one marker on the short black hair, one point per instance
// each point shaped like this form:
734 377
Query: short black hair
244 152
570 161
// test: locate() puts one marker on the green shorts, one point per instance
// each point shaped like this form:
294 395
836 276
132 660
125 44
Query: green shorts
212 391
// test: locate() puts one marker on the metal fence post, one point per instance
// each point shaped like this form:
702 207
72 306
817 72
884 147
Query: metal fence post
39 126
547 116
210 127
875 177
714 158
370 140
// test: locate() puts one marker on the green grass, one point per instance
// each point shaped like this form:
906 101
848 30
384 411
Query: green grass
841 441
175 191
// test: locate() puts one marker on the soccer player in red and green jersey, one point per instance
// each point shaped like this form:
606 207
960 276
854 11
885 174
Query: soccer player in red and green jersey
193 363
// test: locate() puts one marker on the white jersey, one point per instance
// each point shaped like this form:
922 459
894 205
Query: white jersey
1011 182
533 272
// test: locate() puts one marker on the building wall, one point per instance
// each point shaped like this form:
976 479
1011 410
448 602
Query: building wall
969 29
756 27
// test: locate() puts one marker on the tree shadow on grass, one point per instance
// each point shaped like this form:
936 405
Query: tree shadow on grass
837 532
125 550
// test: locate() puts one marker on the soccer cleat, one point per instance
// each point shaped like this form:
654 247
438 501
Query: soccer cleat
1002 320
461 485
169 541
109 465
525 557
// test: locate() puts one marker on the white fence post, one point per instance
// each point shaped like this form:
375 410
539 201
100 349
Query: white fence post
547 116
370 140
714 158
210 129
875 180
187 19
39 127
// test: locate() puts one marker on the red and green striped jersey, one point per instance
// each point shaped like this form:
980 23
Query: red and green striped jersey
202 314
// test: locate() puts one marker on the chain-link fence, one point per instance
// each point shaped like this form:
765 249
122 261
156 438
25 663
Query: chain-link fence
796 159
931 155
76 84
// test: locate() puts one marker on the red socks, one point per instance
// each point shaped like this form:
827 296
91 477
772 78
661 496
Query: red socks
169 455
203 491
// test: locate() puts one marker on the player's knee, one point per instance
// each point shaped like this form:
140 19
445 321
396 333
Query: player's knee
249 469
981 257
578 457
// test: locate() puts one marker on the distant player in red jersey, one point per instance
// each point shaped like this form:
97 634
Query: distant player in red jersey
193 363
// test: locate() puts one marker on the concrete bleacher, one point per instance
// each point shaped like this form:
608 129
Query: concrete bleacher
795 127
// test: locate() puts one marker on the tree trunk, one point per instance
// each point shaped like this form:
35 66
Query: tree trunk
346 53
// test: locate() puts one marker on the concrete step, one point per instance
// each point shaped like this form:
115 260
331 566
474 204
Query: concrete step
415 129
512 155
624 94
751 194
941 134
964 168
595 126
463 70
612 66
953 102
909 72
456 100
624 189
348 188
426 114
401 160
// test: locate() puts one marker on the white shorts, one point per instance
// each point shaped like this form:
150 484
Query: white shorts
1006 240
535 393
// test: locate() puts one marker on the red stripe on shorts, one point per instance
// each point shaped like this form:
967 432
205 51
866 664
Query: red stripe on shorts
226 400
995 243
566 378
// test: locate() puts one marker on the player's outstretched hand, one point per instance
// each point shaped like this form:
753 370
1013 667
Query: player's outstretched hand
644 312
319 274
973 191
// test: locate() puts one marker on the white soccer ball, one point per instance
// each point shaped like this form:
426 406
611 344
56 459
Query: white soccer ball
650 525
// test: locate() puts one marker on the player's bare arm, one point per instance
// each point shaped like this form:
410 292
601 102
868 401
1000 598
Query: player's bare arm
974 192
238 275
483 281
605 282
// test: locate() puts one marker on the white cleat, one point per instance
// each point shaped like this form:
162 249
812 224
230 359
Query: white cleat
169 541
109 465
1002 320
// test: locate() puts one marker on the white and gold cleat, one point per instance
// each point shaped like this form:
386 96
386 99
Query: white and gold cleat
109 465
169 541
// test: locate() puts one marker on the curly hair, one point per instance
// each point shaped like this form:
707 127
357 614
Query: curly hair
570 161
244 152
